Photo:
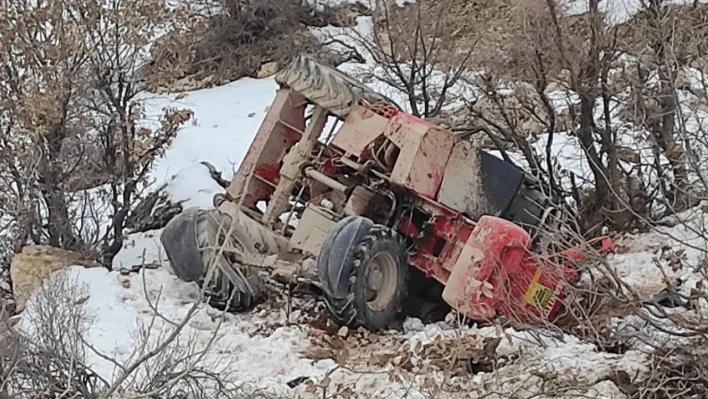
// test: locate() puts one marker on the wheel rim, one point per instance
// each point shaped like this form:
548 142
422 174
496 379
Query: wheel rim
381 277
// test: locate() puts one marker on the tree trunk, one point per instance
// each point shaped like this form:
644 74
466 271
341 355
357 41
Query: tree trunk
674 152
585 134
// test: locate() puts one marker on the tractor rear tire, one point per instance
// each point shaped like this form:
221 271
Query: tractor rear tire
378 281
327 87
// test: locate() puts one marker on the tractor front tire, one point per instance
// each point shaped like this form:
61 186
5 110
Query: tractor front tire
232 287
378 274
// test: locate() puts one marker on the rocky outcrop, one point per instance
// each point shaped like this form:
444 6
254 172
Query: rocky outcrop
35 263
268 69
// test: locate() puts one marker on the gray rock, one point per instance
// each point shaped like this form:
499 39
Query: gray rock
413 324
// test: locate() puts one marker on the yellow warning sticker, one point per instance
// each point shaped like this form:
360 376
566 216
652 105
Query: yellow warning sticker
538 295
541 296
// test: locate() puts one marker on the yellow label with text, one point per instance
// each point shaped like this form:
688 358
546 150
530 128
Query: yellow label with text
538 295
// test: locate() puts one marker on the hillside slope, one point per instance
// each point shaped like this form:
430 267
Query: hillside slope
268 348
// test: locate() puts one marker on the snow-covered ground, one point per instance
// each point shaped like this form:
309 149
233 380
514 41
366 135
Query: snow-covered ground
620 11
225 120
266 350
262 349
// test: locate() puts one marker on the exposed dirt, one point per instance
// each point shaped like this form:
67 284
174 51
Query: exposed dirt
687 24
362 350
487 29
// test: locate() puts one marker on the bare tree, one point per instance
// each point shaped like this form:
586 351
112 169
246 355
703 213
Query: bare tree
47 356
38 113
412 54
668 40
73 118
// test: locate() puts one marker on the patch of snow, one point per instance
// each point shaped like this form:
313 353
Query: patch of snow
618 11
413 324
141 249
193 187
648 262
640 272
226 118
566 150
114 322
523 356
121 306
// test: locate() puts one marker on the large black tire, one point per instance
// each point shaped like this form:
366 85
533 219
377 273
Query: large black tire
231 287
378 275
222 294
192 241
327 87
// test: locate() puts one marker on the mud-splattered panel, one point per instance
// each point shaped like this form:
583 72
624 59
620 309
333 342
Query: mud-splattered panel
424 153
359 130
462 188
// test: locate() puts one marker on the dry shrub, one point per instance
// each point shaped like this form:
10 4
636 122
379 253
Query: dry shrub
243 35
48 358
250 33
675 373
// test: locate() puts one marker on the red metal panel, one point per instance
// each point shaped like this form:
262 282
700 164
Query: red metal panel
280 130
446 225
496 273
473 286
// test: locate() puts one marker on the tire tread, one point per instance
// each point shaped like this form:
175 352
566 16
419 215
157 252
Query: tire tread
352 310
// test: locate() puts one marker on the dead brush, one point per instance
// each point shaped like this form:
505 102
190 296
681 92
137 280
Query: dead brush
675 373
238 36
48 354
96 150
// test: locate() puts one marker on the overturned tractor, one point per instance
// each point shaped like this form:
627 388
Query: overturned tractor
382 196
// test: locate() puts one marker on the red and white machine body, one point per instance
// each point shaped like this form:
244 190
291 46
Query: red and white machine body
415 177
